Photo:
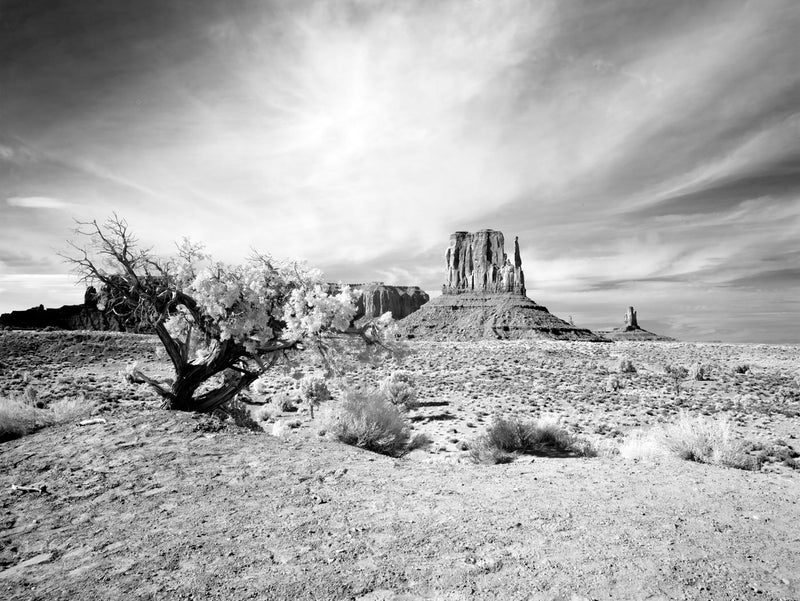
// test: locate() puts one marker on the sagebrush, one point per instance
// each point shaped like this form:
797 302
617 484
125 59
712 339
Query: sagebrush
505 439
367 420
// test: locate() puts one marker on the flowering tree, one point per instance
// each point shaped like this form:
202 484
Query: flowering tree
221 325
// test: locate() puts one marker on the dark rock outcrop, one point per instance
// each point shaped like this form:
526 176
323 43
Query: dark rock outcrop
67 317
377 298
484 298
630 330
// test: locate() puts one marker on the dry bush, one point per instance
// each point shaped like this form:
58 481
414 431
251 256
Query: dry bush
697 439
643 445
263 414
613 384
741 369
21 416
18 418
70 410
239 414
701 372
505 439
282 403
677 373
398 388
707 441
625 366
369 421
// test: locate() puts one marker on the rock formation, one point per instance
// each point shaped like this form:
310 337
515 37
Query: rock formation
484 297
630 319
478 263
377 298
630 330
67 317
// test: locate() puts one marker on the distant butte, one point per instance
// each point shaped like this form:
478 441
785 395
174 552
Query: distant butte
484 297
630 330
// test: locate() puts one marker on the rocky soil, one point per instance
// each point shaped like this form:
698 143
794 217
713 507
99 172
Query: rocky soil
159 505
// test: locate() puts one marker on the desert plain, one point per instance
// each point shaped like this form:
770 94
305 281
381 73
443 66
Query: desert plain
150 504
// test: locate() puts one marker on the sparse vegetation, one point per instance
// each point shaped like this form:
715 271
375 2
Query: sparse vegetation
506 439
677 373
699 439
625 366
613 384
701 372
20 416
239 414
367 420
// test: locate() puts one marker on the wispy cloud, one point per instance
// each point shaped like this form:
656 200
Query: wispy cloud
37 202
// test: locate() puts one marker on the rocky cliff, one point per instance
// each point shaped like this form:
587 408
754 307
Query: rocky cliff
377 298
477 262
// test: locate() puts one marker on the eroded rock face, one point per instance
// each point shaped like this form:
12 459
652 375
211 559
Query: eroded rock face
377 298
477 262
630 319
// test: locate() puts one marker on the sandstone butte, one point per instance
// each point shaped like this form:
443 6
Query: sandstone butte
484 297
630 330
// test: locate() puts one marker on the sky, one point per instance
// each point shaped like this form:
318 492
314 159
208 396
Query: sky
645 153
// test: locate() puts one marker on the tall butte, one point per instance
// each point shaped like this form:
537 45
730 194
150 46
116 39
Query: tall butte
484 297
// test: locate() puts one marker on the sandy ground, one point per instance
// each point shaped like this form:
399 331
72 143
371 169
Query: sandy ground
154 505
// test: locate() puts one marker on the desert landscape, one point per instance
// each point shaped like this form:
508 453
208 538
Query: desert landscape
157 504
399 300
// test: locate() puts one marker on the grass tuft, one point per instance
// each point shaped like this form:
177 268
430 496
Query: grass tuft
19 417
697 439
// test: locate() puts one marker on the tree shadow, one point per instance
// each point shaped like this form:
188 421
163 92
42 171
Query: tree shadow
433 404
439 417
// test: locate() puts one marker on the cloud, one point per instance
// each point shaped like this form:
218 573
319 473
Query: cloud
631 146
37 202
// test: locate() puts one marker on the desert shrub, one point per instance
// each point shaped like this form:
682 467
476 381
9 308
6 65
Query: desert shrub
613 384
625 366
700 372
707 441
282 403
398 388
676 373
239 414
505 439
369 421
70 410
20 416
314 390
643 445
741 369
263 414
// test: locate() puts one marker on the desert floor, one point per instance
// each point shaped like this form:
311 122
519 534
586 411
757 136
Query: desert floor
163 505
